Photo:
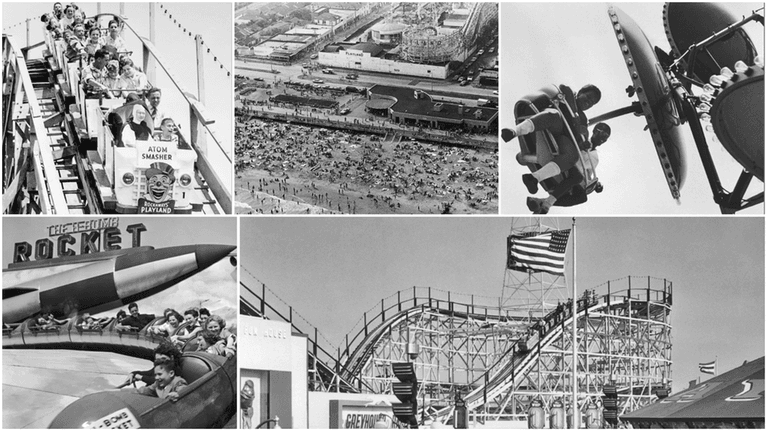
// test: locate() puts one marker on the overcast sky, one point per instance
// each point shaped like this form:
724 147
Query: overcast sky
213 288
574 44
331 270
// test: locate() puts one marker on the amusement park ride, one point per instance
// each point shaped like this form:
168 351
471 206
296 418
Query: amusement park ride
454 357
75 286
62 152
712 79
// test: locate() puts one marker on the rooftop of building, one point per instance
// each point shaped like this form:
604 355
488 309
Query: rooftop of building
424 106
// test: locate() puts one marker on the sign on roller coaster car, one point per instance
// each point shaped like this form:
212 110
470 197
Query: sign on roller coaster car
121 419
150 152
160 179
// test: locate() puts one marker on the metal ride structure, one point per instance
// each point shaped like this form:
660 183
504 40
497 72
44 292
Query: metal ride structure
58 152
424 43
323 368
693 83
623 339
500 354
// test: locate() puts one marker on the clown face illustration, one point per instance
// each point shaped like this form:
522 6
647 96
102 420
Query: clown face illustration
159 182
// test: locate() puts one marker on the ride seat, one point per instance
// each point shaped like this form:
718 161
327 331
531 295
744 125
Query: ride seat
193 368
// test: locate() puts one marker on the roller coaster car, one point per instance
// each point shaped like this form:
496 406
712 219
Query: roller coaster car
128 170
207 402
528 343
539 148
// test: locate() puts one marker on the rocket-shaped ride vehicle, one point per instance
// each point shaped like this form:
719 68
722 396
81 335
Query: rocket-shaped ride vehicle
100 281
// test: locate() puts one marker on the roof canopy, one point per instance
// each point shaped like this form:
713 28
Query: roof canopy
735 396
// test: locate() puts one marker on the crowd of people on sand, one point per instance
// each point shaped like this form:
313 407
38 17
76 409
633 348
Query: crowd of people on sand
108 71
382 170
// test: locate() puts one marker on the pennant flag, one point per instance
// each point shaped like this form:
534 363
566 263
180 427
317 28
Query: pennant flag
538 252
707 368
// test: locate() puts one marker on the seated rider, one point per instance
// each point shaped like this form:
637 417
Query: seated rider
95 74
167 383
190 331
163 351
136 321
550 120
211 343
569 192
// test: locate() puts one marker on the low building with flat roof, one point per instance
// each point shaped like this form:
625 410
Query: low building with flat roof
415 107
371 57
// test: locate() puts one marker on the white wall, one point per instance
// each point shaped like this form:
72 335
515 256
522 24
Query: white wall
348 59
267 345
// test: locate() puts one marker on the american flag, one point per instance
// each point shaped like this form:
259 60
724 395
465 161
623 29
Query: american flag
708 368
539 253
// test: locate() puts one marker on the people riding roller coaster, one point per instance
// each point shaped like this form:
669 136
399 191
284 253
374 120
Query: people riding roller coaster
127 148
58 10
68 18
133 79
167 383
112 80
165 350
138 127
94 75
559 115
113 38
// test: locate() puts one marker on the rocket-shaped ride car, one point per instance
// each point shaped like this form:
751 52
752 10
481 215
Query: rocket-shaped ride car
100 281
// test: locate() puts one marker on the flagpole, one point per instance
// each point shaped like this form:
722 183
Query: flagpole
574 366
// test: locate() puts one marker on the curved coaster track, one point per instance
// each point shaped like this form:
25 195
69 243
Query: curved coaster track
497 362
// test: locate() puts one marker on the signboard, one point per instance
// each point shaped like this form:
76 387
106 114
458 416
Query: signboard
83 237
349 414
149 152
149 207
267 344
364 418
120 419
